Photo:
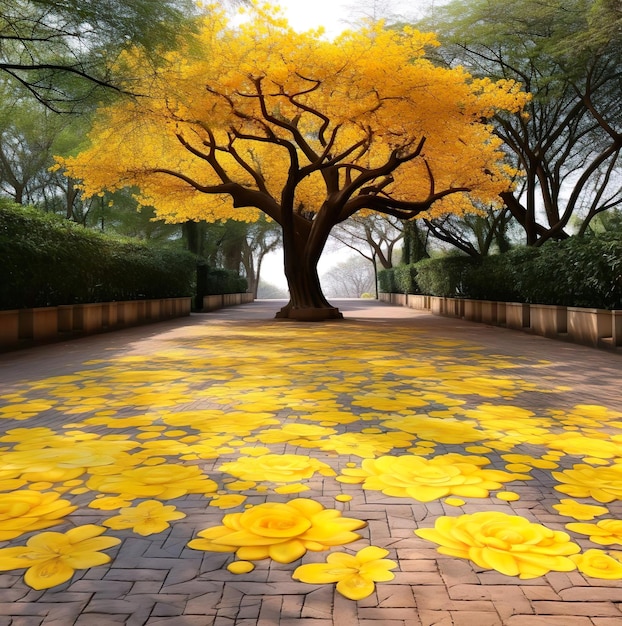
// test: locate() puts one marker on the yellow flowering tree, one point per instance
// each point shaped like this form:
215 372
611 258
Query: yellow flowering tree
254 118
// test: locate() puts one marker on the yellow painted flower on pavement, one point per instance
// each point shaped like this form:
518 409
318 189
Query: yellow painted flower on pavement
24 511
355 575
280 531
509 544
604 532
577 510
52 558
277 468
443 430
428 479
599 564
604 484
147 518
161 481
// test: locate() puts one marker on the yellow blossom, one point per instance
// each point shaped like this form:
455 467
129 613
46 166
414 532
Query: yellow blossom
509 544
604 532
162 481
598 564
604 484
280 531
355 575
428 479
51 558
278 468
572 508
147 518
24 511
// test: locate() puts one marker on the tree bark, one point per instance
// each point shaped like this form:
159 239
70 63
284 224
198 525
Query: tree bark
302 248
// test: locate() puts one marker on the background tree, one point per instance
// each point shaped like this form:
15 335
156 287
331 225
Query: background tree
60 51
350 278
374 237
569 56
310 132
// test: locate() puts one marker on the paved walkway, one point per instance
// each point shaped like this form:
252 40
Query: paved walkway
486 441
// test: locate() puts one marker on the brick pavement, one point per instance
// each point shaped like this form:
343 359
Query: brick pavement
158 580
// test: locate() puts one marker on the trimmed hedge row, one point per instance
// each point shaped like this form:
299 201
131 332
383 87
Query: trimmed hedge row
47 261
579 271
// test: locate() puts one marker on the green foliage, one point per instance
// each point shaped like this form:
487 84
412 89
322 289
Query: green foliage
444 276
386 280
213 281
48 261
405 277
579 271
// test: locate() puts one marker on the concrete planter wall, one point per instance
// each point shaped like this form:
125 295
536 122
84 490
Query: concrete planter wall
419 302
213 303
517 315
592 327
23 327
548 320
473 310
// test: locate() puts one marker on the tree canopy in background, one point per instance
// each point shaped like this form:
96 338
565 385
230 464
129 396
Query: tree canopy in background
258 118
61 51
568 54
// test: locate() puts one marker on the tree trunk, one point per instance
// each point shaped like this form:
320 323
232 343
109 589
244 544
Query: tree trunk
302 248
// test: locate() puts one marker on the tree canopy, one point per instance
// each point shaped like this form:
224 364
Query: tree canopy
60 51
568 54
255 117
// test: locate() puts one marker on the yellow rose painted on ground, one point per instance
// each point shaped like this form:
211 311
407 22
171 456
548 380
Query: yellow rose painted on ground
604 484
280 531
161 481
355 575
428 479
604 532
509 544
52 558
147 518
24 511
277 468
599 564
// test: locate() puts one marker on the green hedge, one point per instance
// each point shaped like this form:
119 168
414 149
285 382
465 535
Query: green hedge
47 260
213 281
579 271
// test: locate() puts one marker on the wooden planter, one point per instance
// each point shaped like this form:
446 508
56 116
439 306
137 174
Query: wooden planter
548 320
418 302
472 310
9 329
589 326
517 315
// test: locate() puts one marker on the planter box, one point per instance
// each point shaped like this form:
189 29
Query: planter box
418 302
65 318
398 299
616 329
517 315
589 326
473 310
454 307
489 312
9 328
88 318
212 303
501 314
40 324
153 310
548 320
127 312
437 305
110 314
